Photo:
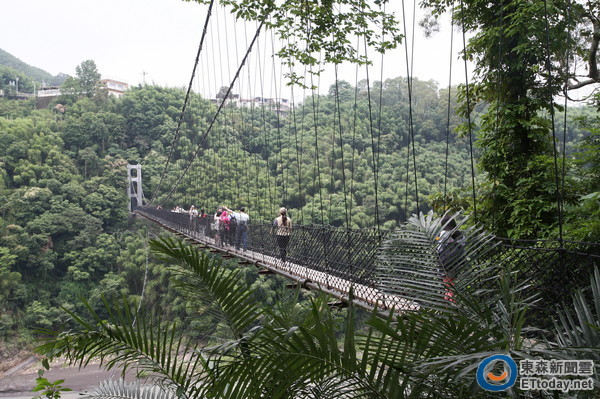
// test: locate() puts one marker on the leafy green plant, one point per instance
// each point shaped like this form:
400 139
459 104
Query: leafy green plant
288 352
49 389
123 389
577 329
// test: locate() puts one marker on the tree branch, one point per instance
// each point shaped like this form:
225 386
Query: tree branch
593 75
582 83
593 54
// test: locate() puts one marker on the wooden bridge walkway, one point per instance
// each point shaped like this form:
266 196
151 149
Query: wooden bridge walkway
365 295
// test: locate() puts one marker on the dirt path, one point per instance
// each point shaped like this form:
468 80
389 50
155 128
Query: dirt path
20 383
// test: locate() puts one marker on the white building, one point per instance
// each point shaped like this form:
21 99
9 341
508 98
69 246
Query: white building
279 105
115 87
48 91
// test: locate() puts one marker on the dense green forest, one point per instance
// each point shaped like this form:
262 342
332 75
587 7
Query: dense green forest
354 157
64 227
320 164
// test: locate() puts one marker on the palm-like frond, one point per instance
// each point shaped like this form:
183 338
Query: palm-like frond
202 279
422 354
432 352
581 330
437 353
409 267
128 339
439 346
301 361
577 334
119 389
135 338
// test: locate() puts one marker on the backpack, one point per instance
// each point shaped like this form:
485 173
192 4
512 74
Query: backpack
224 218
233 220
450 251
224 221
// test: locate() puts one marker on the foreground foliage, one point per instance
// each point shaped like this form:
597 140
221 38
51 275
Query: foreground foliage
291 351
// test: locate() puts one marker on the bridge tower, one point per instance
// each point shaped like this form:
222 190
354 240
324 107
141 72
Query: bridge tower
134 187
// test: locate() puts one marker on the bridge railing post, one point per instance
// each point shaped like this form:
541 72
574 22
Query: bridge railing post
326 251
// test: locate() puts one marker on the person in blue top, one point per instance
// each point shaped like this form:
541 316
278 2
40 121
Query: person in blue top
450 248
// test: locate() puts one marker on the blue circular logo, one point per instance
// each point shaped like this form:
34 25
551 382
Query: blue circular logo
489 380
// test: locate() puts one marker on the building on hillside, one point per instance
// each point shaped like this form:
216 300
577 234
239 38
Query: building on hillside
45 95
231 100
278 105
115 88
48 91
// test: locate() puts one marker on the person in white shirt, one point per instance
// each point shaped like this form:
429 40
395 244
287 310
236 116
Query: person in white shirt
241 227
193 212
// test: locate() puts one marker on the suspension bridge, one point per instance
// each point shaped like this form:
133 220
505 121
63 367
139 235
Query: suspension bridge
335 260
242 140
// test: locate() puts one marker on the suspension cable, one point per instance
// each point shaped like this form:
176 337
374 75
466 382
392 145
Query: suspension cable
498 81
380 111
554 139
277 101
339 115
410 115
315 109
469 114
187 95
298 162
266 135
243 126
353 163
208 130
373 148
448 114
567 57
302 128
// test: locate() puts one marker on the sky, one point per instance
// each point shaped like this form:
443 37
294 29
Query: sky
157 40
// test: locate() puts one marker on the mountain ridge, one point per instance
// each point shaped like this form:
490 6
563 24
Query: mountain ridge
34 73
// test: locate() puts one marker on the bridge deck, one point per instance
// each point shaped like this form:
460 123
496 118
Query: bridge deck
365 295
335 260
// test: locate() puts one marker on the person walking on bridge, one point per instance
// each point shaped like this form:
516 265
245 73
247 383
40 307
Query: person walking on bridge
193 212
450 249
217 226
241 227
225 228
282 227
203 222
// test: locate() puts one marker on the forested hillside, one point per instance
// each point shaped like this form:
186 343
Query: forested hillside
64 227
26 72
320 157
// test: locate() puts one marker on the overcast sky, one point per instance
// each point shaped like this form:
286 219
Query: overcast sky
127 38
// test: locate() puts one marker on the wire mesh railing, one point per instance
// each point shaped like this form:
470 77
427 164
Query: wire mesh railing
340 258
332 258
552 270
